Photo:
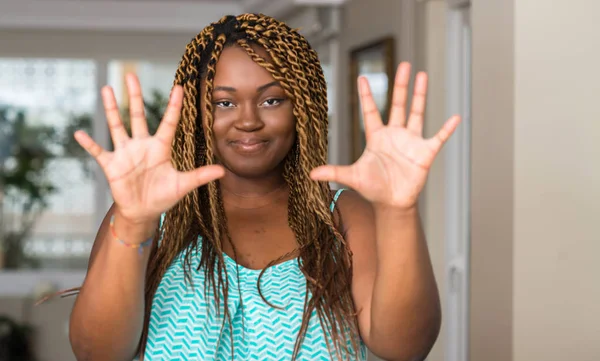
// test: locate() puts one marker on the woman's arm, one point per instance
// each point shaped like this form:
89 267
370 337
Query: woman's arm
393 282
394 287
107 319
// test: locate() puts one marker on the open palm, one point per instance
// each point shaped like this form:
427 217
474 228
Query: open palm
394 165
139 171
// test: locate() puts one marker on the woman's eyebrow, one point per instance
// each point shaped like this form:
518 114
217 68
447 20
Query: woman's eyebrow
260 89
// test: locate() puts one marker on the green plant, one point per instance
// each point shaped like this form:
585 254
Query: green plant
26 150
155 107
70 146
15 341
24 183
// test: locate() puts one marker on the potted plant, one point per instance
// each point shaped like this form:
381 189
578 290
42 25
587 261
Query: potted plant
26 151
15 341
155 108
24 186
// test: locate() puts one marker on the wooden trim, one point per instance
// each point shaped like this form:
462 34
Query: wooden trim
388 45
458 3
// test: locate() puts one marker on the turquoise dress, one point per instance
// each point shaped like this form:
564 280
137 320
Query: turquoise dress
184 324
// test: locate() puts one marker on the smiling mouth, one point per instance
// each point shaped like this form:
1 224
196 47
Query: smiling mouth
249 146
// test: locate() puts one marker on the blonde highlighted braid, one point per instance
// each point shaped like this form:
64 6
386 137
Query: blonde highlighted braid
325 258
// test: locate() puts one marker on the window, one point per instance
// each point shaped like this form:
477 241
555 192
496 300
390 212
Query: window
40 100
50 209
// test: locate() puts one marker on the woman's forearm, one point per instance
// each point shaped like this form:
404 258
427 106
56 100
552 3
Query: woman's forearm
107 319
405 309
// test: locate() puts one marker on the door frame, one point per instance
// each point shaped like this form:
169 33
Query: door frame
457 181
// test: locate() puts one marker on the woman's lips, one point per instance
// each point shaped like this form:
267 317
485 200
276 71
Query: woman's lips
248 145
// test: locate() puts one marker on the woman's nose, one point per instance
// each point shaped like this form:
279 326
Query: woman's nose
249 119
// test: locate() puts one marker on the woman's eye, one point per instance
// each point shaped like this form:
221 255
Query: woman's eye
272 102
224 104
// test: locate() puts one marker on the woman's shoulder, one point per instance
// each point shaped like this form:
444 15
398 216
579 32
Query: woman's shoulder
353 208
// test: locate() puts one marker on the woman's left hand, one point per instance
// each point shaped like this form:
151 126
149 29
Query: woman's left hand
393 168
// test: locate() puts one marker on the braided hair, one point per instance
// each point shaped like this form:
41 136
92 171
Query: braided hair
324 256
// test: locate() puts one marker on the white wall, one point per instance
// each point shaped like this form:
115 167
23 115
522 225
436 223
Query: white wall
492 154
557 181
536 247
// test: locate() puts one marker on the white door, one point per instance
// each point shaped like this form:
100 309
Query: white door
458 182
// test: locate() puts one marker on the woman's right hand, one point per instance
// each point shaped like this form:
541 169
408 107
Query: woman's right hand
142 179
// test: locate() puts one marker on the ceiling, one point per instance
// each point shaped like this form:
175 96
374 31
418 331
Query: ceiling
165 1
115 15
166 16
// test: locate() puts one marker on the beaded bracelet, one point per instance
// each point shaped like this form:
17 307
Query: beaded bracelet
139 246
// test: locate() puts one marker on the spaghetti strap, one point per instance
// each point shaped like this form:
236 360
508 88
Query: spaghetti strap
335 198
160 226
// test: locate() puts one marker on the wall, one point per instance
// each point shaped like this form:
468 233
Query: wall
556 181
492 180
535 181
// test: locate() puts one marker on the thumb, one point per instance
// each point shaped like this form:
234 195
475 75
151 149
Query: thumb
334 173
188 181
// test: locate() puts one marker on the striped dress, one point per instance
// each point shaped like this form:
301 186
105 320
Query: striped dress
184 324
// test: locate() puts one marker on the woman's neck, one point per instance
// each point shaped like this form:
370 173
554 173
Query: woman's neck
253 193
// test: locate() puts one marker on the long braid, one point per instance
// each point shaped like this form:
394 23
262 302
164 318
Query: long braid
325 258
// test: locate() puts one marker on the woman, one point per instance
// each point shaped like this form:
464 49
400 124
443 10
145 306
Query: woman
255 257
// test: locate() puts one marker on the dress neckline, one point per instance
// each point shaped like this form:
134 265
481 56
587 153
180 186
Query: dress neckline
280 265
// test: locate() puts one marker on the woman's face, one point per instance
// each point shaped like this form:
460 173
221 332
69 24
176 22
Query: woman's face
254 125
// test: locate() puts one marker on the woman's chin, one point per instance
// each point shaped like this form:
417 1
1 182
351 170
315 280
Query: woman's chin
252 170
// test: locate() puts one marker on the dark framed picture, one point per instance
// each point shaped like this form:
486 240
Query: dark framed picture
375 61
